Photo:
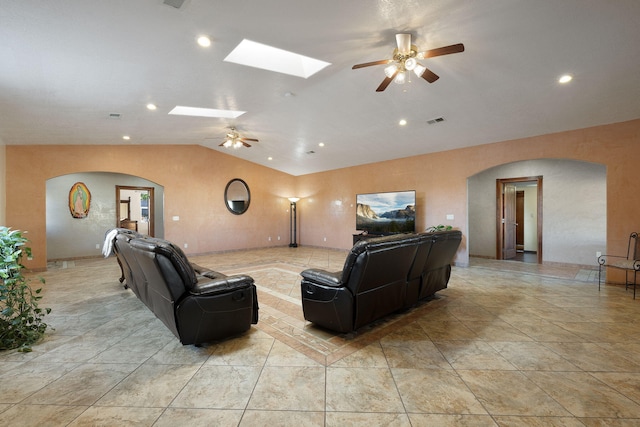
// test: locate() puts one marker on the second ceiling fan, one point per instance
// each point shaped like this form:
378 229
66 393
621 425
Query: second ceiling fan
234 140
405 58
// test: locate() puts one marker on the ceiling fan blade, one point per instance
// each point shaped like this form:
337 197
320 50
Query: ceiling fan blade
245 144
387 81
404 43
248 139
369 64
446 50
429 75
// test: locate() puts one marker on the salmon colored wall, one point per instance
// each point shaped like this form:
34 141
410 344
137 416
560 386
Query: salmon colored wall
440 181
194 179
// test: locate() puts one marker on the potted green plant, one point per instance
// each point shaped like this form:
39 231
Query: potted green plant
439 227
21 320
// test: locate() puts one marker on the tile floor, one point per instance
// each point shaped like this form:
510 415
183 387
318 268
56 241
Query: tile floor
507 344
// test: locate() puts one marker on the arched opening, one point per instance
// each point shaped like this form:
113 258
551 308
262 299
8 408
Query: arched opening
574 205
69 237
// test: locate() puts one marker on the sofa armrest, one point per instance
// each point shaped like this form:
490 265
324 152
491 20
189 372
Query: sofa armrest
323 277
220 284
200 269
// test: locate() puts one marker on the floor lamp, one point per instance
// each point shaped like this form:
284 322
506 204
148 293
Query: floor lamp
292 222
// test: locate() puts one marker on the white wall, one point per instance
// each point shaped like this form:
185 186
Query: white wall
3 183
573 206
69 237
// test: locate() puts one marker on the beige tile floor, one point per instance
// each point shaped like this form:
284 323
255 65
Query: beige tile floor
507 344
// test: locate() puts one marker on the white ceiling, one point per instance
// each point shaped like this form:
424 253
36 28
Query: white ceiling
65 65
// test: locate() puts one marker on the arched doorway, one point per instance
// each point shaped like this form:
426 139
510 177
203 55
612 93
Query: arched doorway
574 206
69 237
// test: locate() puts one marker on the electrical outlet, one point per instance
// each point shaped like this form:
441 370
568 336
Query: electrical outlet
97 245
278 237
325 239
269 238
186 245
598 254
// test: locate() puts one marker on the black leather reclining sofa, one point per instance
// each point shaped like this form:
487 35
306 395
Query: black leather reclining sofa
380 276
197 304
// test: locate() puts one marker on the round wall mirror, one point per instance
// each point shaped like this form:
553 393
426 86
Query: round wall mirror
237 196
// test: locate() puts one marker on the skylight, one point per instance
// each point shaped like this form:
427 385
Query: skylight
180 110
271 58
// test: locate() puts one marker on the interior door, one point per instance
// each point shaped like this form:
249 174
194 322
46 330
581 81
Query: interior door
509 221
506 210
520 217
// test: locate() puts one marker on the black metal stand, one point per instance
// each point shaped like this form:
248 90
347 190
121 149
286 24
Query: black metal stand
293 226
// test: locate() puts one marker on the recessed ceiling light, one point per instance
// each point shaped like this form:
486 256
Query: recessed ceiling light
180 110
204 41
126 137
565 78
270 58
151 106
269 158
321 144
402 122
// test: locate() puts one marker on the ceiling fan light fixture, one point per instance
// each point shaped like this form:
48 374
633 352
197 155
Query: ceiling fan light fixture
235 141
419 69
405 58
400 78
390 70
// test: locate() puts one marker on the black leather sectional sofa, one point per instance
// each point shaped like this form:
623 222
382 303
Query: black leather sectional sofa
197 304
380 276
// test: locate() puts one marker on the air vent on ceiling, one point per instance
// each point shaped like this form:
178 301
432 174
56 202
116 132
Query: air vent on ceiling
115 115
436 120
175 3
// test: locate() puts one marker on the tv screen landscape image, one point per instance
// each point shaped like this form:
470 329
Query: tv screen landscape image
386 213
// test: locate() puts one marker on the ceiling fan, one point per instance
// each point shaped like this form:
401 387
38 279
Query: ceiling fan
234 140
405 58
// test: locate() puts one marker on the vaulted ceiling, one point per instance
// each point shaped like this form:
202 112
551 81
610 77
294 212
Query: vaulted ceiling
83 71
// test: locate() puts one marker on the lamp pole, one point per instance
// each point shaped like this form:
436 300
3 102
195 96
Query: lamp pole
293 222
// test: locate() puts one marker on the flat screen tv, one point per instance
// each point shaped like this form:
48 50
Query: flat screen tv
386 213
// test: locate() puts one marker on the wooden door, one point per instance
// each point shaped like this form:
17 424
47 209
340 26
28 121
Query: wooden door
509 221
505 213
520 220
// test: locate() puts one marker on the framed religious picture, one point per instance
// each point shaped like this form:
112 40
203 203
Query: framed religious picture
79 200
